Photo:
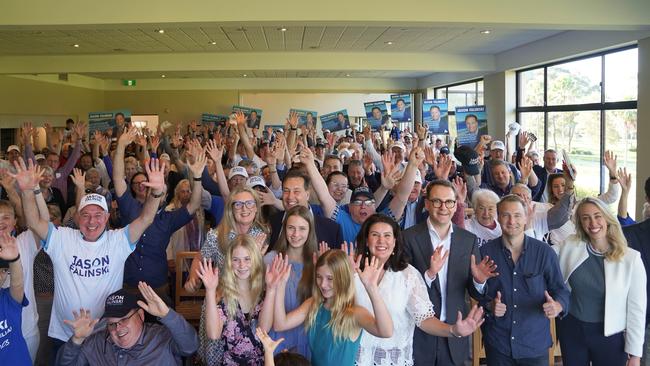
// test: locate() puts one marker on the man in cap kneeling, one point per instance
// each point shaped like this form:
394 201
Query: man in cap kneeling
128 339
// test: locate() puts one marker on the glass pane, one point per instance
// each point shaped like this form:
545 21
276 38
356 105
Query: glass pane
480 85
480 100
621 69
531 88
441 93
452 126
457 99
575 82
469 87
431 93
621 138
578 133
534 122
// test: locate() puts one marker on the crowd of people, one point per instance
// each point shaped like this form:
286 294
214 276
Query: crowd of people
357 248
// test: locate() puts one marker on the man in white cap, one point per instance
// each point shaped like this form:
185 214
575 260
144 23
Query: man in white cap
89 262
237 177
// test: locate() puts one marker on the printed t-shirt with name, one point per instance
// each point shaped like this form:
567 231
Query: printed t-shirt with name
85 273
13 348
483 234
27 249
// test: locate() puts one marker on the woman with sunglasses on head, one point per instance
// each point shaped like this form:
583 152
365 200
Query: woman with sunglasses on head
297 241
334 322
236 302
381 239
241 216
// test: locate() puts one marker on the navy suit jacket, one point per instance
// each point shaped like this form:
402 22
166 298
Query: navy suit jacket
638 237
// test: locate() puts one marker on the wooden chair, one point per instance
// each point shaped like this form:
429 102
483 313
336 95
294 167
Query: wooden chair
187 304
478 349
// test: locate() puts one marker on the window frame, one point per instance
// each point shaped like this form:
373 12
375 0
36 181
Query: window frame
467 82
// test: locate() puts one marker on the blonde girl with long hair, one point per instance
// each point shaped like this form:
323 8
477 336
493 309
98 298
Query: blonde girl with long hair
236 303
607 280
334 322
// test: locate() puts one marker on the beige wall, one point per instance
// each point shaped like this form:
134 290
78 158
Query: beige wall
34 98
173 105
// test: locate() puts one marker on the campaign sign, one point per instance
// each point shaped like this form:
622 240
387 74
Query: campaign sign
377 114
102 121
305 117
434 115
400 107
335 121
253 115
471 124
218 119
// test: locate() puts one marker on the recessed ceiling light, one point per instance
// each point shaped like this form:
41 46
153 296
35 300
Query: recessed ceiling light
347 75
75 45
244 75
163 76
161 31
314 47
486 31
389 43
283 29
241 29
213 42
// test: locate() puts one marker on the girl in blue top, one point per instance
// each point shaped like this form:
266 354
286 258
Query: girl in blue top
331 317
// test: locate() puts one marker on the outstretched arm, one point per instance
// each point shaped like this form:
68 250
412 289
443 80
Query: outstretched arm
405 186
320 187
118 164
28 178
156 185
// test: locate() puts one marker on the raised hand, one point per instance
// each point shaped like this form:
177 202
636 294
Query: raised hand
208 274
141 140
461 189
156 173
498 308
467 326
368 165
79 178
421 131
430 156
624 179
215 152
154 305
267 342
82 325
416 156
437 261
293 120
485 139
240 117
26 176
322 248
354 259
306 156
483 270
524 139
276 270
27 132
443 167
610 162
390 178
198 165
370 274
155 142
79 129
127 137
551 307
262 244
8 247
525 167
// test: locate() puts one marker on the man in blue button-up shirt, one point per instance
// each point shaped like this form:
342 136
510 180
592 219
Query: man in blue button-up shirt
527 293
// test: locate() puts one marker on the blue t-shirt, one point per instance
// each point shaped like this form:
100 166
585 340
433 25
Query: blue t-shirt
13 348
349 228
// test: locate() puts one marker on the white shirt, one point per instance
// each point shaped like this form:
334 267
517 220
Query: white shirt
85 273
409 305
483 233
27 250
540 221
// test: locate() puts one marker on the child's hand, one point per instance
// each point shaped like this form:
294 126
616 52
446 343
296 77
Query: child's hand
269 344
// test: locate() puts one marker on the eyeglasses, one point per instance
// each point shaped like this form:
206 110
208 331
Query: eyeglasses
363 202
238 205
437 203
135 183
113 326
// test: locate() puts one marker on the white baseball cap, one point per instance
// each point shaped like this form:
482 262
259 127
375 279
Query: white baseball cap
13 148
399 144
497 145
39 157
255 181
237 170
418 176
93 199
165 156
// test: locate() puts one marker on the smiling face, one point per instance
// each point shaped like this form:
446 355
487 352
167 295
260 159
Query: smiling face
376 113
92 221
415 192
241 262
400 105
592 221
93 179
512 218
183 192
550 160
501 176
558 187
486 212
381 241
139 189
53 161
435 113
355 174
338 186
46 180
126 331
294 193
244 215
472 124
341 118
440 215
325 281
7 220
297 231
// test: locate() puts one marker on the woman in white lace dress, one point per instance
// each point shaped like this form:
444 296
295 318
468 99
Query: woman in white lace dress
406 297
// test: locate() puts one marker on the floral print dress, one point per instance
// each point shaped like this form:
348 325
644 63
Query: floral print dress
241 347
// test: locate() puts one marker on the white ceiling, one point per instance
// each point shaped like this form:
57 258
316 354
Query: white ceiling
101 40
256 74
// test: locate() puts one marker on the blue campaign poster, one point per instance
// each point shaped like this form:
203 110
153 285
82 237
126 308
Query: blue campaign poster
218 119
305 117
377 114
434 115
253 115
102 121
400 107
471 124
335 121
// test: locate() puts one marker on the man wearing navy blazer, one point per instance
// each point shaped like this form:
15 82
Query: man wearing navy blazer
448 272
295 191
638 237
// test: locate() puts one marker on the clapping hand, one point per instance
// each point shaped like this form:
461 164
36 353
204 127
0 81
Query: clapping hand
154 305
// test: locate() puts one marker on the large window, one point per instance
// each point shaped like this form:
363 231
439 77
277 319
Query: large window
458 95
584 106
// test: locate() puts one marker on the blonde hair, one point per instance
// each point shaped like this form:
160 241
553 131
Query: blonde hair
227 224
228 281
308 249
342 323
615 237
